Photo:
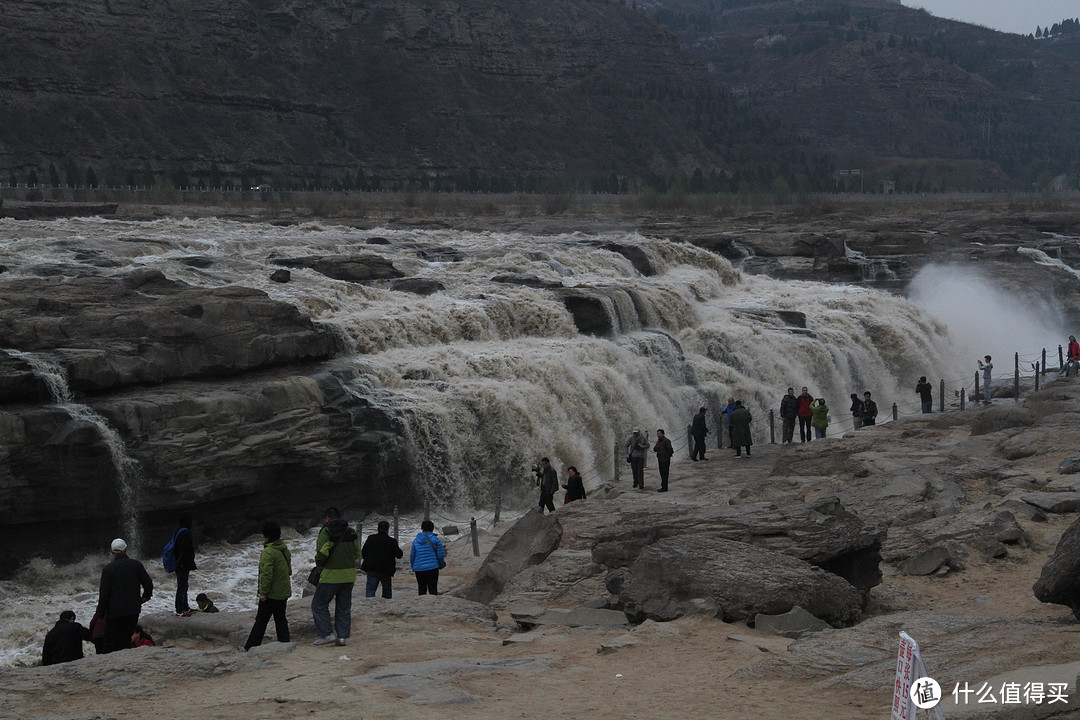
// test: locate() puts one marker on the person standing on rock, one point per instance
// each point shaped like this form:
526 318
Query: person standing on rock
806 414
789 406
856 411
741 417
698 431
663 451
337 558
427 557
119 598
549 485
986 368
575 485
380 554
727 419
820 421
64 642
869 410
275 586
184 547
926 395
636 446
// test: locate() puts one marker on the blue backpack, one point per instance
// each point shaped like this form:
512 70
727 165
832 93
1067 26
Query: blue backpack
168 553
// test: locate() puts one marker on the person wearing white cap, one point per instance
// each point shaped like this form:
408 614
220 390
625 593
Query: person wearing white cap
119 596
636 446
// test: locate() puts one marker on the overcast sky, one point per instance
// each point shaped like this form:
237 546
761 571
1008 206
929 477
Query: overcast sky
1018 16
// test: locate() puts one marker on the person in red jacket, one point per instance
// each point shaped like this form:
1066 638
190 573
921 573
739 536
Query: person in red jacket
805 412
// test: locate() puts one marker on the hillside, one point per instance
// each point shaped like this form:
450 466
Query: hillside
355 94
528 95
931 104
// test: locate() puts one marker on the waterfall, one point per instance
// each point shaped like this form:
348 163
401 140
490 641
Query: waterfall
485 376
127 468
870 268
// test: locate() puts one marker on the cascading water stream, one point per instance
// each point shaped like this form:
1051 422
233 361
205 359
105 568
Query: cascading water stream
127 468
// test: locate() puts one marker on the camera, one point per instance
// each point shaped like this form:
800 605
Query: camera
539 473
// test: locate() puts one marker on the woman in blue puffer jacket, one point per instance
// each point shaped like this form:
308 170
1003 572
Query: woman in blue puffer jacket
427 556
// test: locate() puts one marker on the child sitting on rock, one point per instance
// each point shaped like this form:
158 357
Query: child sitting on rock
205 604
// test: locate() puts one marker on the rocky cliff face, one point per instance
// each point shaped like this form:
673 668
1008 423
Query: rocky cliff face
219 400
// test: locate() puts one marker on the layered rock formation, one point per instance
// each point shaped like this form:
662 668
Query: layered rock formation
173 396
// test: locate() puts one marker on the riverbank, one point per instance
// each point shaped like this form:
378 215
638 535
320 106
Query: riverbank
923 479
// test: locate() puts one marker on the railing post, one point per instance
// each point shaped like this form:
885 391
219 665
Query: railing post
941 397
427 509
1037 366
498 508
976 396
690 441
395 523
772 427
895 414
1044 362
963 397
1016 376
1061 359
615 464
475 537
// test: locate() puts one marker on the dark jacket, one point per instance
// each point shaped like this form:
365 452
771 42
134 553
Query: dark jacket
789 406
869 411
698 428
549 482
121 580
924 391
379 553
64 643
575 488
185 550
856 408
663 449
740 434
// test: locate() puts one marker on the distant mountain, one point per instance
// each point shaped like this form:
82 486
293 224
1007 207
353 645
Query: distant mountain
529 94
473 95
927 103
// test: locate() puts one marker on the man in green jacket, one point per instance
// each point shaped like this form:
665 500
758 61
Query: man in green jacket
275 586
337 558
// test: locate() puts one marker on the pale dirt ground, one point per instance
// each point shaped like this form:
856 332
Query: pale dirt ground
685 668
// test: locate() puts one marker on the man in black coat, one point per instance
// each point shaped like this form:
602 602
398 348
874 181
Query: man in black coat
119 597
64 642
789 407
698 431
380 553
549 485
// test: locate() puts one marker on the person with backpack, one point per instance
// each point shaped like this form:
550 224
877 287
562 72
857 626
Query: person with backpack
427 557
178 556
337 558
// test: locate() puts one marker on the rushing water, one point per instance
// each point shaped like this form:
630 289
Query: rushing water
487 376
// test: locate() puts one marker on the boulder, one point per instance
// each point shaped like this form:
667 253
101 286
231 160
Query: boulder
931 560
528 542
589 309
526 279
795 623
736 580
1069 466
106 333
1059 581
361 268
1053 502
417 286
281 276
1002 417
822 533
972 528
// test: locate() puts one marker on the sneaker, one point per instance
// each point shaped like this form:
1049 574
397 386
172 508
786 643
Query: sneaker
328 640
186 613
661 489
340 642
